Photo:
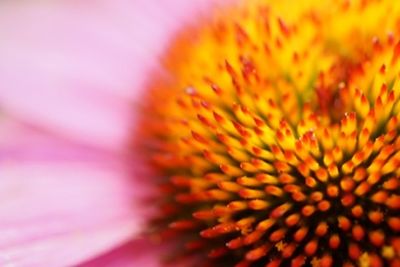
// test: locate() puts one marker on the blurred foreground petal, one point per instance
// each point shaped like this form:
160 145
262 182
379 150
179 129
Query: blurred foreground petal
139 252
60 214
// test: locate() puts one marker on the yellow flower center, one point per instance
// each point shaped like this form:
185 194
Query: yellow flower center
275 136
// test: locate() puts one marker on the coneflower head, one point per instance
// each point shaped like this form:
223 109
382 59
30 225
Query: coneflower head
275 136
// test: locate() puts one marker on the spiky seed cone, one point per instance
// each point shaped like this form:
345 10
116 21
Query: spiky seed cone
276 136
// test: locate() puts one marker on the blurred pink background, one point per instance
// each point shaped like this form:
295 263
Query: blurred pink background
71 73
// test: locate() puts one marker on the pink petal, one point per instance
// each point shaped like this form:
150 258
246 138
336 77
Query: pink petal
63 213
22 142
138 253
77 67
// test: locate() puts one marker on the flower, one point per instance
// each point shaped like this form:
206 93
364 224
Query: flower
71 73
273 132
275 136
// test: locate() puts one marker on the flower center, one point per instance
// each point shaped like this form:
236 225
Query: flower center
276 136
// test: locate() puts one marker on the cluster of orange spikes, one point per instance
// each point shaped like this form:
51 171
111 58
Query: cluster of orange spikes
277 141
